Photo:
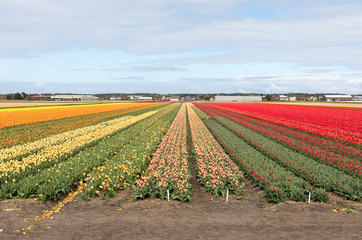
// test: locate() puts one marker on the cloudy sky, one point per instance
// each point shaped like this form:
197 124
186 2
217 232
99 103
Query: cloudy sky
181 46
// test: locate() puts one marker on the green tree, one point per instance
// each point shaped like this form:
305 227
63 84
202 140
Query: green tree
207 97
18 96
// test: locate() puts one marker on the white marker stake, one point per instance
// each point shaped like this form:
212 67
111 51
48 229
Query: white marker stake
227 195
168 195
309 197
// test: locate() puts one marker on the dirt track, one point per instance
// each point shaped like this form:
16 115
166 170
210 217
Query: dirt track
250 218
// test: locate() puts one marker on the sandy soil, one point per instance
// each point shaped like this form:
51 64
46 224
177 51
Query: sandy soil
249 218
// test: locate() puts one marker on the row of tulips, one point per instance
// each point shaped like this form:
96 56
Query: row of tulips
338 147
126 167
347 164
13 118
216 171
25 133
340 124
312 171
62 151
168 170
32 147
51 182
278 183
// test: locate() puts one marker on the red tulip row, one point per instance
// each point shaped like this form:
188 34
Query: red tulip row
347 164
168 169
342 124
278 183
216 171
338 147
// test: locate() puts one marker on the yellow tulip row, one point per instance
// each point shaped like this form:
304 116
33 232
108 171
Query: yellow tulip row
67 147
19 150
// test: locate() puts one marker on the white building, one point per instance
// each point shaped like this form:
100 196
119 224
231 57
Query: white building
338 98
175 98
238 98
134 97
140 98
115 98
283 98
357 98
165 98
286 98
74 98
145 98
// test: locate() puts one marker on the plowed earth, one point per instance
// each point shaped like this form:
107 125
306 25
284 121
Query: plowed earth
124 218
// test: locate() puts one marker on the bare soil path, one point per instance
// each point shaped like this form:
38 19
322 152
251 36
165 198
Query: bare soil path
249 218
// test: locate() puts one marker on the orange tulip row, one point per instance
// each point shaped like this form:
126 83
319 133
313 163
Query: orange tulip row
13 118
23 134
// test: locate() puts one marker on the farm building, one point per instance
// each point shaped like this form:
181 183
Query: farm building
357 98
337 98
145 99
140 98
134 97
74 98
42 97
286 98
175 98
313 98
115 98
283 98
238 98
165 98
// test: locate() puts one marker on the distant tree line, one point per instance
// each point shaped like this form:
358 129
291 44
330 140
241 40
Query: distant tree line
17 96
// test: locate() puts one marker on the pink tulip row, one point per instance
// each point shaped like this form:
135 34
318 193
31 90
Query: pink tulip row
168 170
215 168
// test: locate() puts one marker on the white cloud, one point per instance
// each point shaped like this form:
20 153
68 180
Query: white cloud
273 88
143 27
157 68
304 33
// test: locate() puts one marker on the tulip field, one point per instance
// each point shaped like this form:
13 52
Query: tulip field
288 151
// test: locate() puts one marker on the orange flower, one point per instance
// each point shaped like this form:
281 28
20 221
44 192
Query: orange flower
12 118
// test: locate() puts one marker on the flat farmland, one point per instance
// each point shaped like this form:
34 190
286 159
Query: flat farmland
181 171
